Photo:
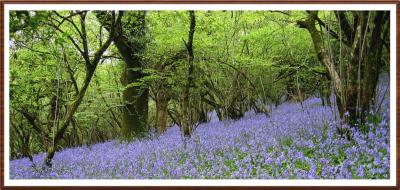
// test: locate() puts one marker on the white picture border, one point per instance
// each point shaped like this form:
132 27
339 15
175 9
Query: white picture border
185 182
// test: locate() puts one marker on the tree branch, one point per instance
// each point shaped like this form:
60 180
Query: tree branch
70 21
84 40
70 72
68 36
345 25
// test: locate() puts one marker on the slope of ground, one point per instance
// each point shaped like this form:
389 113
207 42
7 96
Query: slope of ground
296 141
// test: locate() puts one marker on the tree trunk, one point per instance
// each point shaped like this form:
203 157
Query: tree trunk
130 43
365 45
186 111
134 118
321 51
162 113
203 113
68 116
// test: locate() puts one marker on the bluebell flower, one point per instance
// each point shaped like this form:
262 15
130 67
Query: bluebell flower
219 149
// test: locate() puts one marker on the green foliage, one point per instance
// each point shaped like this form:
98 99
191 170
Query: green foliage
243 60
286 142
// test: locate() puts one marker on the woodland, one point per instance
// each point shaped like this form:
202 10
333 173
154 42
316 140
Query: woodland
199 94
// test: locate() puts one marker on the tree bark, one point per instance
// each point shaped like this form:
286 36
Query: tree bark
162 113
322 52
186 112
164 91
135 99
129 42
365 45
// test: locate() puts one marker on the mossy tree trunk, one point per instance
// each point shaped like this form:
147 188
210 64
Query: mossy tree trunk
131 43
186 108
355 88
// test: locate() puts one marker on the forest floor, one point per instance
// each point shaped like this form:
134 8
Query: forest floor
296 141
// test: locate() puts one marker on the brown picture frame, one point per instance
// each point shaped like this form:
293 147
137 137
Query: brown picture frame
2 71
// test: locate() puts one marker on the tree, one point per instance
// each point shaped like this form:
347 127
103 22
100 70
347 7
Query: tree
131 43
187 124
162 89
363 41
91 64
